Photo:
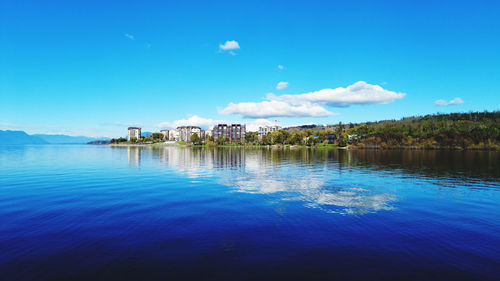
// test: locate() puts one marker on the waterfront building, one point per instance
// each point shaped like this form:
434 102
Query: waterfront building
165 134
234 132
185 132
173 135
206 134
134 132
268 129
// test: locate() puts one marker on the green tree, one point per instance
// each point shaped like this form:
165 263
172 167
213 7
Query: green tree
343 140
195 139
157 136
251 137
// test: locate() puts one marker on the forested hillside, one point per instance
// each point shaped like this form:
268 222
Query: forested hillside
473 130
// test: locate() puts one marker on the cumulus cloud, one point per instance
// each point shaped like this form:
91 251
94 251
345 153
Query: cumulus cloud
454 101
312 104
208 123
230 46
129 36
281 85
281 67
253 126
357 93
275 108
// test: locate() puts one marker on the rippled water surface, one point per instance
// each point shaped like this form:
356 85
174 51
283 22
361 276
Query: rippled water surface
130 213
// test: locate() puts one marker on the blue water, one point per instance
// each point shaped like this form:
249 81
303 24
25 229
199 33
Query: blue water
75 212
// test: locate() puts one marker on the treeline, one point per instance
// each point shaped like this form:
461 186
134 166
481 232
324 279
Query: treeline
473 130
307 137
154 138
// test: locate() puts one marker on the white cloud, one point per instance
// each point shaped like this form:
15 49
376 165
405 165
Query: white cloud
357 93
129 36
281 67
194 120
229 46
281 85
253 126
275 108
454 101
311 104
207 123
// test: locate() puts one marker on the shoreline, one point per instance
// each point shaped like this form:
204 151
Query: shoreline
329 147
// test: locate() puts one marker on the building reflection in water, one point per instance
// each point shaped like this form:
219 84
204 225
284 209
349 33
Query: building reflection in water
305 175
134 156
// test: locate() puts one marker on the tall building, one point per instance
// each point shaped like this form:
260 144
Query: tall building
134 132
234 132
268 129
185 132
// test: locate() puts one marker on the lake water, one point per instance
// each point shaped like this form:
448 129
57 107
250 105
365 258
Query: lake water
75 212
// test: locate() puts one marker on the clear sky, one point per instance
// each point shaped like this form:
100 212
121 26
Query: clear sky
94 67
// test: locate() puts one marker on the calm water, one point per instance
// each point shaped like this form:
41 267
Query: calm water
103 213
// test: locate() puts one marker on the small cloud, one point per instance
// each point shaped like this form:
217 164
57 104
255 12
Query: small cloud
454 101
147 45
129 36
229 46
281 85
280 67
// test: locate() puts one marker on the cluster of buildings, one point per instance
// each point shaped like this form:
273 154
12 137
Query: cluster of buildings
233 132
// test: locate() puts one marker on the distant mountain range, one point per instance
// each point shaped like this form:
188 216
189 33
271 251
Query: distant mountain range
21 137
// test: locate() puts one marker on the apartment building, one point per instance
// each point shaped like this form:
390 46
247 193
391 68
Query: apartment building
268 129
234 132
185 132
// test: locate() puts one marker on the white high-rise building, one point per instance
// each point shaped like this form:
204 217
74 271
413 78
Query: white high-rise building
134 132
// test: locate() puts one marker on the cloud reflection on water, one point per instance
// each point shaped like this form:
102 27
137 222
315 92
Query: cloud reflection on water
279 176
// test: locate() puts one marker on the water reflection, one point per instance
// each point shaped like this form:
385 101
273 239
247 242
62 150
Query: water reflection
134 156
335 181
299 175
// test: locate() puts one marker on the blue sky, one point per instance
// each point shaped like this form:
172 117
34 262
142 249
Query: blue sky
93 68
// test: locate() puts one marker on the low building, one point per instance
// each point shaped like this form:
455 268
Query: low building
134 132
173 135
234 132
165 134
185 132
268 129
